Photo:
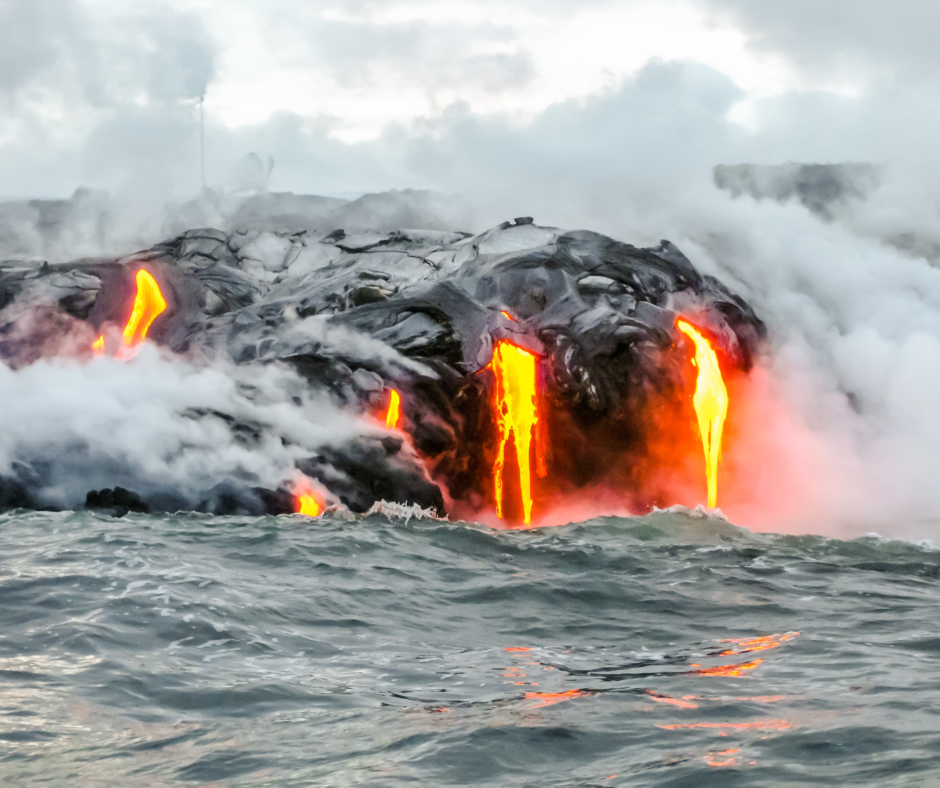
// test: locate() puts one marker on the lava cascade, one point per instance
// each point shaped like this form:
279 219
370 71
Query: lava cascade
149 304
393 414
711 405
517 417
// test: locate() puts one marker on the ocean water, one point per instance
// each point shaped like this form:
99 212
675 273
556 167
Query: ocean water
666 650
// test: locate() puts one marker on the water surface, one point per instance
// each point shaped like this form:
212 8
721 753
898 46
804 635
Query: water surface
667 650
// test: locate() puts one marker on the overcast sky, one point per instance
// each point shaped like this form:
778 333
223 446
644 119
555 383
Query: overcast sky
357 95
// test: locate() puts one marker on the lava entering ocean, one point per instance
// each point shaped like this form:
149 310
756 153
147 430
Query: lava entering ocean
711 405
306 501
578 331
517 418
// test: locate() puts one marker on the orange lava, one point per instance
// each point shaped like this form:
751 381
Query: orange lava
517 416
393 414
149 304
306 500
711 405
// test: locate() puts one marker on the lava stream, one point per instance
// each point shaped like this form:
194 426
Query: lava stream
711 405
517 418
149 304
393 414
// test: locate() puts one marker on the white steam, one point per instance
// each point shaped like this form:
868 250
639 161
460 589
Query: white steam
155 425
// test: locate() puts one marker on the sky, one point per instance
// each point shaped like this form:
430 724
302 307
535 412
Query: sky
355 96
609 115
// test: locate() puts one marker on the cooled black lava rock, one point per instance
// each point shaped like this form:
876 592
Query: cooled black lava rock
356 313
117 502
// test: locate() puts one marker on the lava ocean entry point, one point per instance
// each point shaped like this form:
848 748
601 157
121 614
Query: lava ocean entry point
511 370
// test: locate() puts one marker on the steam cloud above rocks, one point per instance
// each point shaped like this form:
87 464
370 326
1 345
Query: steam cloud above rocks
839 262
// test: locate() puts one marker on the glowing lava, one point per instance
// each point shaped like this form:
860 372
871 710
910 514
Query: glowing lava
517 418
393 414
306 501
711 405
149 304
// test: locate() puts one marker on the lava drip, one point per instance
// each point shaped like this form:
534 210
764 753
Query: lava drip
393 414
517 418
711 405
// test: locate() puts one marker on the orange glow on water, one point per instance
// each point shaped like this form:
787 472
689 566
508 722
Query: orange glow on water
393 414
712 758
729 670
551 698
660 698
757 725
98 346
763 643
711 405
517 418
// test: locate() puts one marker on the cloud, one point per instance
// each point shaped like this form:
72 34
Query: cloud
842 37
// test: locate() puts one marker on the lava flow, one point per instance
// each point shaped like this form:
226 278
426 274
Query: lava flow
517 417
393 414
711 405
149 304
306 501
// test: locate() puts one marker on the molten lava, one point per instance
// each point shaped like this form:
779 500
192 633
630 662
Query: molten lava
393 414
517 418
149 304
306 501
711 405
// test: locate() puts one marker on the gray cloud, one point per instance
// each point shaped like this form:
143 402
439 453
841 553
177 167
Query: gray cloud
839 37
31 33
